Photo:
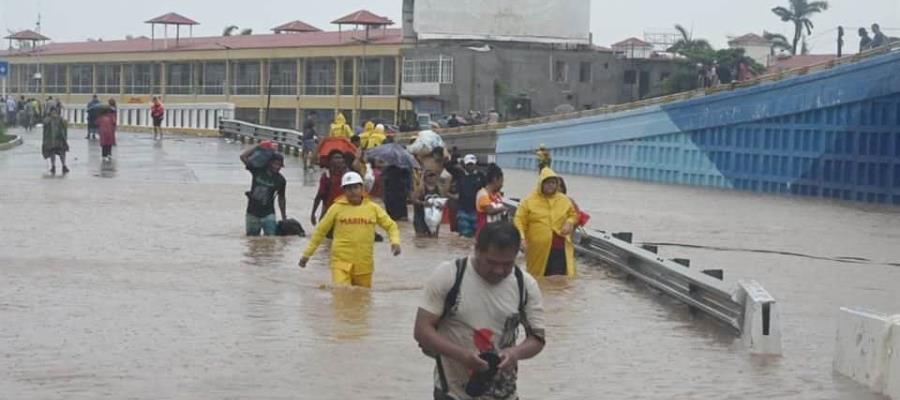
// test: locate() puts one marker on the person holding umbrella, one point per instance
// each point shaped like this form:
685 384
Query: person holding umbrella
396 177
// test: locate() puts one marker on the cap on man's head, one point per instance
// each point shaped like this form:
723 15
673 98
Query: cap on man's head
470 159
351 178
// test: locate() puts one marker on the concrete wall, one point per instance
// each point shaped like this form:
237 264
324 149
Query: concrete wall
527 70
866 350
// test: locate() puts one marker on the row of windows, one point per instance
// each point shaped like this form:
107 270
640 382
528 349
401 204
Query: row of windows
376 77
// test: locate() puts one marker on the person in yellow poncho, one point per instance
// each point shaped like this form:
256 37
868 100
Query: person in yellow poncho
543 157
366 135
353 217
378 137
546 219
340 128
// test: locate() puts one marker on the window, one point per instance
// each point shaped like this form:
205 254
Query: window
108 78
15 78
560 71
212 81
55 78
664 75
347 77
320 77
630 77
283 76
179 78
584 72
142 78
376 76
282 118
428 70
32 84
250 115
82 78
246 78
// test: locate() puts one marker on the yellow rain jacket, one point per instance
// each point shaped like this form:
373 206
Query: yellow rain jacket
366 135
340 128
354 234
538 218
378 137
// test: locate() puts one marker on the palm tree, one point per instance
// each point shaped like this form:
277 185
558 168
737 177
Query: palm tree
777 42
248 31
229 30
687 44
799 14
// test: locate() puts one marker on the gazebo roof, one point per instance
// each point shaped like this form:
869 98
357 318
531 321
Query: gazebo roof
296 26
172 19
362 17
27 35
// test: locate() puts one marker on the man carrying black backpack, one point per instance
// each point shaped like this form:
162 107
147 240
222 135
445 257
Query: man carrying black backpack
470 316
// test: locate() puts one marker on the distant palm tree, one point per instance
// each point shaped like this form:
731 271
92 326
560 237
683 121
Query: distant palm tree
229 30
687 44
799 14
777 41
248 31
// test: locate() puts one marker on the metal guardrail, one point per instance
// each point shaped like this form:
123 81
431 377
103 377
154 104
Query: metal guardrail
746 309
773 77
288 140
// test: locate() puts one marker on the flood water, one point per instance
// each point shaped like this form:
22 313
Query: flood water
134 280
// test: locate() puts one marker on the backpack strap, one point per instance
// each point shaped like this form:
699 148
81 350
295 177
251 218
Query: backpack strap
449 303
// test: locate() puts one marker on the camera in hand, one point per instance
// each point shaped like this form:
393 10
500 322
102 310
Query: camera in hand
480 381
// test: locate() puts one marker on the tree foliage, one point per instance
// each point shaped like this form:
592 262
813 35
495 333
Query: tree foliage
799 13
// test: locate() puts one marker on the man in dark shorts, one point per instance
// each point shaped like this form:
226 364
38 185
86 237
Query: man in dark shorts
310 140
267 182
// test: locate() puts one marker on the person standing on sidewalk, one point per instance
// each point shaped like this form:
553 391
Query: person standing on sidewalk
157 112
106 125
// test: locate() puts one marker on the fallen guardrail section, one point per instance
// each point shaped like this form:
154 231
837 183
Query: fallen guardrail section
746 308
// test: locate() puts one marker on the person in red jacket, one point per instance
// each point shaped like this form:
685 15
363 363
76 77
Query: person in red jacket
157 112
106 125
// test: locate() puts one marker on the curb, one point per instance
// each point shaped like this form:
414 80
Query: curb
17 141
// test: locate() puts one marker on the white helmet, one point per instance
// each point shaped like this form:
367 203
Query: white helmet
351 178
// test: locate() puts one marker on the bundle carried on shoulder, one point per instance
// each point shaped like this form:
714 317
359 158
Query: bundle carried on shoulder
426 141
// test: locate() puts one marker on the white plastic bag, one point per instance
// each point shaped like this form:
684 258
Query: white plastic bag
434 213
425 142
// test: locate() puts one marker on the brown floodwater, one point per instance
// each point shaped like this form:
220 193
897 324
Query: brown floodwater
133 280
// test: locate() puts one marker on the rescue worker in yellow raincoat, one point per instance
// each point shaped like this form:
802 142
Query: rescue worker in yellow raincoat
340 128
546 219
366 135
353 217
378 137
543 157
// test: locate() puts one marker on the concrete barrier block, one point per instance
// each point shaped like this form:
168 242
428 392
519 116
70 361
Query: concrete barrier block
867 344
761 332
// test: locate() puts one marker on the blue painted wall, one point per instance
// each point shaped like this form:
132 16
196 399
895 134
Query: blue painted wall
832 134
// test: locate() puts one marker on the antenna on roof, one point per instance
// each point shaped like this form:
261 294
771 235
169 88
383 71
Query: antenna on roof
37 27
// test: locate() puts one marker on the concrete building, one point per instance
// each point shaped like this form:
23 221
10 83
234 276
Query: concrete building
633 48
519 76
756 47
301 70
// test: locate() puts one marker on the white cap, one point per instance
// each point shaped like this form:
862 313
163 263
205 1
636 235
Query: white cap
380 127
470 159
351 178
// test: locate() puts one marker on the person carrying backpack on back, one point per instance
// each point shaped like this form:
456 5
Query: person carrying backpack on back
470 316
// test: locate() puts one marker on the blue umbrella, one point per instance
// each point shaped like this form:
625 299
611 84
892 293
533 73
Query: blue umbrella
394 154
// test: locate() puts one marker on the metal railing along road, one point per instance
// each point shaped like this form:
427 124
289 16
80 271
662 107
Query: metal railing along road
288 140
773 77
746 308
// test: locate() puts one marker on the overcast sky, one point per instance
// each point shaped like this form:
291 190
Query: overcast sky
612 20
